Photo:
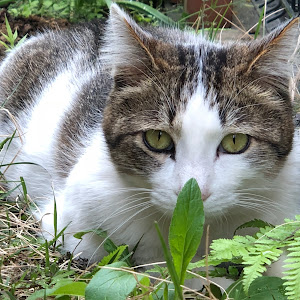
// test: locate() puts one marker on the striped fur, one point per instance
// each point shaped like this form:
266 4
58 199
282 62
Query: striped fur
81 100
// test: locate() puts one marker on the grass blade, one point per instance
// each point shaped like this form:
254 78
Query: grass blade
170 264
147 9
259 23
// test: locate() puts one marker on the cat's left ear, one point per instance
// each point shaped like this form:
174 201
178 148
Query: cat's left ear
276 57
128 48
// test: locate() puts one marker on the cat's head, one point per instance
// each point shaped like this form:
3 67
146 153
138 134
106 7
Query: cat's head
184 107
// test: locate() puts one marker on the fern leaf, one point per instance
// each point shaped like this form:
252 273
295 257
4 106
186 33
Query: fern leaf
256 263
255 269
227 249
223 249
292 277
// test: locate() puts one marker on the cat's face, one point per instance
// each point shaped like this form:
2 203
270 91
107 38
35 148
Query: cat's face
219 114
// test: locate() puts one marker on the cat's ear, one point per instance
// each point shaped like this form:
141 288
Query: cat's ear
276 57
127 48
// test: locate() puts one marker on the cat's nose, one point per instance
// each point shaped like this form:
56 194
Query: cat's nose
204 196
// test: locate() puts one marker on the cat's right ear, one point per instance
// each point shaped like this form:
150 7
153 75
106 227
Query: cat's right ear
128 48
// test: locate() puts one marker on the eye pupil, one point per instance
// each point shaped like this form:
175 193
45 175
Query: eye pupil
159 135
235 143
158 141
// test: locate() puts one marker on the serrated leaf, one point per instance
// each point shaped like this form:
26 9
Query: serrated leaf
256 223
186 227
262 288
113 256
108 284
292 276
225 249
255 269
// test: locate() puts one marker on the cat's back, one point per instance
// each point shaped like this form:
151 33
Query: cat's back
52 90
30 67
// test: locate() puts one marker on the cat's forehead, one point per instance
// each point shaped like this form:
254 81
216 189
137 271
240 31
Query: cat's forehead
200 120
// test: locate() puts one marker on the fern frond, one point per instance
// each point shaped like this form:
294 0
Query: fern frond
292 277
256 263
223 249
280 233
254 269
227 249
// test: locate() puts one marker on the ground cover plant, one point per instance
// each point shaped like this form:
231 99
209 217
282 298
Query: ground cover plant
47 273
34 268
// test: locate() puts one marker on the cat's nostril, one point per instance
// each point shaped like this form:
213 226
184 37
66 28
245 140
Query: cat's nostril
204 196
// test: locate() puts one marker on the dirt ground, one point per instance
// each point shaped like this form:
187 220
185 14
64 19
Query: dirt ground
28 26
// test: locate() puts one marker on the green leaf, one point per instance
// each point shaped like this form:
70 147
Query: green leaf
22 40
108 245
170 264
292 263
4 45
261 16
15 35
113 256
263 288
108 284
186 227
5 140
72 289
216 291
99 232
6 194
144 8
8 28
256 223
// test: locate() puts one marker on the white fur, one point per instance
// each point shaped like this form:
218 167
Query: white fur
95 195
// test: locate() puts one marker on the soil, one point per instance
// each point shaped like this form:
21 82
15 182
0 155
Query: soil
28 26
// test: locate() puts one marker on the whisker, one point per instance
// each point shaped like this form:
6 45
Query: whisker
120 226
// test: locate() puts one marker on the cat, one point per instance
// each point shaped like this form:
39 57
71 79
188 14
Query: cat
114 121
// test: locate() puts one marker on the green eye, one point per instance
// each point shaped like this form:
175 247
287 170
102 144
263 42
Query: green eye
157 140
235 143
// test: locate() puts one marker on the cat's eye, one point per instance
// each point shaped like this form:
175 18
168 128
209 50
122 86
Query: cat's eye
158 141
235 143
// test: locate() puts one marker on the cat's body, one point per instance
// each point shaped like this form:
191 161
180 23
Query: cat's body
83 105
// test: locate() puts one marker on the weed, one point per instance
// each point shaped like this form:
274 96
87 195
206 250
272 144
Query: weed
11 37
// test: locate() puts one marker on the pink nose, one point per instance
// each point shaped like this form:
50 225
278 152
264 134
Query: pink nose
204 196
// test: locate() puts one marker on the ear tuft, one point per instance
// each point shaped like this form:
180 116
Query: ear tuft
126 43
277 56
